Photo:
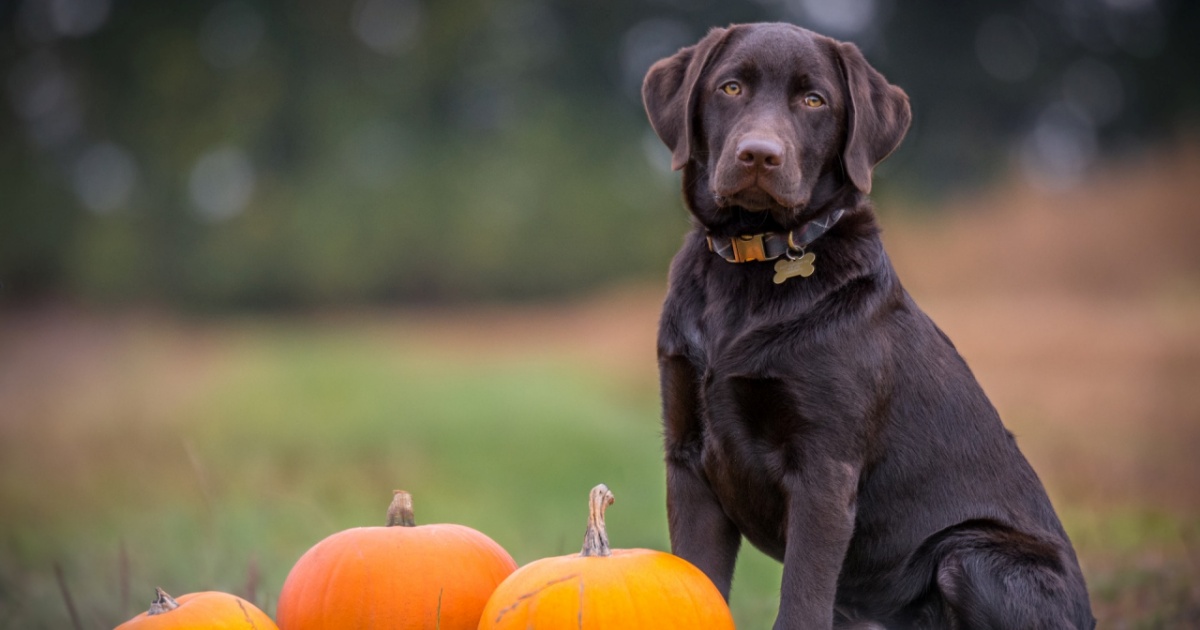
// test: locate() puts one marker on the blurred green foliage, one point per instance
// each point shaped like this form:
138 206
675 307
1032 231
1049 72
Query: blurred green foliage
265 153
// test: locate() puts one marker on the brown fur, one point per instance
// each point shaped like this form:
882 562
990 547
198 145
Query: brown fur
827 420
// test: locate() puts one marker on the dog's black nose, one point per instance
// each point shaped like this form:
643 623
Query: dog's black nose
760 153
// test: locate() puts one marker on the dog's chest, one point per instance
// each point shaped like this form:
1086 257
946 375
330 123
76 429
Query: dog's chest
754 432
762 401
750 441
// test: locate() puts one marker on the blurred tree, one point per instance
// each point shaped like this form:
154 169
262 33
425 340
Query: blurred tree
266 153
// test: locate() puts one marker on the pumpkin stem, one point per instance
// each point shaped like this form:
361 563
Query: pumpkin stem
400 512
162 603
595 540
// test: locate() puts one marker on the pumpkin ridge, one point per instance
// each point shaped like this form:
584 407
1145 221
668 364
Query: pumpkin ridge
532 594
246 616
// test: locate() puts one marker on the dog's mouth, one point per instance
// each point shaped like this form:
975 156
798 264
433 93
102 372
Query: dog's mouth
756 198
753 198
753 210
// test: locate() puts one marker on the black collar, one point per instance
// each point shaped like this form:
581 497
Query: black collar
772 245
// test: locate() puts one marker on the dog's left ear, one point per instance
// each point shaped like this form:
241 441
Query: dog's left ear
669 93
878 116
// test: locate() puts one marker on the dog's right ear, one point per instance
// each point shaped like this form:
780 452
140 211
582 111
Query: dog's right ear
669 93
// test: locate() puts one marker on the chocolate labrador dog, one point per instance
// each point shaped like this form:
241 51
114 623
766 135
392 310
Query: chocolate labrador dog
809 404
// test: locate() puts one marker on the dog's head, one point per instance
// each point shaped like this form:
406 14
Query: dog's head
772 118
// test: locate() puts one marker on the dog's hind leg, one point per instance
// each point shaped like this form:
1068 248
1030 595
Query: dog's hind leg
997 579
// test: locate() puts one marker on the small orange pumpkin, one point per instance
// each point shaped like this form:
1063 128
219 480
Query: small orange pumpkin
398 577
601 589
196 611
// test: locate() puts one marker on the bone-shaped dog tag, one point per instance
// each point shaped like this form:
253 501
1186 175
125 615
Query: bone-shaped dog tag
790 268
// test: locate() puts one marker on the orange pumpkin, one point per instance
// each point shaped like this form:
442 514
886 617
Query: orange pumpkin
197 611
399 577
601 589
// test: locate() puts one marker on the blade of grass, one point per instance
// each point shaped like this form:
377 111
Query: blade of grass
123 577
66 595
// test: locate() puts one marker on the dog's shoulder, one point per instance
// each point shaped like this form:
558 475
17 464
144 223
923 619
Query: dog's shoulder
679 332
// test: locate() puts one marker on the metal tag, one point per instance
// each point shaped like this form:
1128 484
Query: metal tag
790 268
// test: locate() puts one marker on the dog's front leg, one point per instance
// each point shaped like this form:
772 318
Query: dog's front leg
701 533
821 508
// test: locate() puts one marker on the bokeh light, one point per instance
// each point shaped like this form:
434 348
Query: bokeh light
1059 149
389 27
46 99
47 20
221 183
104 177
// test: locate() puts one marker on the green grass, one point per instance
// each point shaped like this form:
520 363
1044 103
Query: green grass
305 431
293 431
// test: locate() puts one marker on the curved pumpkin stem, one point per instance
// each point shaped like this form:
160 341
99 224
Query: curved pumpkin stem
595 540
400 512
162 603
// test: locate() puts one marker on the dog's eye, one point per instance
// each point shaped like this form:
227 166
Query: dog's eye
733 88
814 100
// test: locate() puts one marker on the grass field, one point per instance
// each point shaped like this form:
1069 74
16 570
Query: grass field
139 448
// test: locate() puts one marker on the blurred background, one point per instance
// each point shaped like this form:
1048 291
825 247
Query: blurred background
263 261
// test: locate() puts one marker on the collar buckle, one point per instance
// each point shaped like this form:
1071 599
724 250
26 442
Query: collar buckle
745 247
748 248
